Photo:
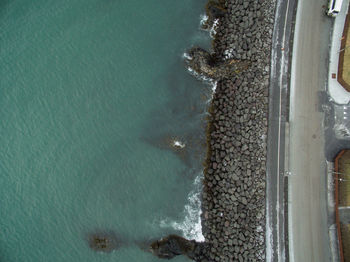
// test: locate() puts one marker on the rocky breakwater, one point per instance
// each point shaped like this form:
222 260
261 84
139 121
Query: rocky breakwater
233 200
233 203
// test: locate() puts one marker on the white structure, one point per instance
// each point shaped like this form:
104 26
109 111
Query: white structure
337 92
334 7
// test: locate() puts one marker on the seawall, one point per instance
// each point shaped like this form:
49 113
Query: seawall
233 203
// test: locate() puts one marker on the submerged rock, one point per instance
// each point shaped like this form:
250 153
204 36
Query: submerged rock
203 63
105 242
214 10
172 246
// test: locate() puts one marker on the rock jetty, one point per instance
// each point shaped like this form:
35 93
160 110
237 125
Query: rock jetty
233 203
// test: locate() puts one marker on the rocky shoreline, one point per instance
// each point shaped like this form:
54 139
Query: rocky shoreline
233 200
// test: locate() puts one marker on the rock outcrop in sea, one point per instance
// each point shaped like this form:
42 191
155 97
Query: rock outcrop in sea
173 245
103 242
203 63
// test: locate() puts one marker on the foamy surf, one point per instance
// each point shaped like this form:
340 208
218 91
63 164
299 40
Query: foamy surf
187 56
213 29
213 88
179 144
195 74
191 226
200 77
203 20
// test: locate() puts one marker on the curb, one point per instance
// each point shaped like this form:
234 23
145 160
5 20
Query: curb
342 53
336 198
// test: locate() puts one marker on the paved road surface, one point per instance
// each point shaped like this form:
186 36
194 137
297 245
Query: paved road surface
278 118
307 212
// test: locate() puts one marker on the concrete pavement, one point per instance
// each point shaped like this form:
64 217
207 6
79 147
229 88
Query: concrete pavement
307 188
338 94
344 214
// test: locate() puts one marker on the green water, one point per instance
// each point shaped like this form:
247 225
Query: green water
91 93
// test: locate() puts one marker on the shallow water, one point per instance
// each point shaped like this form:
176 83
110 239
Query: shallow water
92 94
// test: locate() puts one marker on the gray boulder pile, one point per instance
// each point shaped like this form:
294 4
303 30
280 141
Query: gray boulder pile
234 185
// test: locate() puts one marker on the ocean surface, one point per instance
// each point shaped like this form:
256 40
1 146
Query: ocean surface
93 95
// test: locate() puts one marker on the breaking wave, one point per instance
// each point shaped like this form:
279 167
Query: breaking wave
191 226
203 19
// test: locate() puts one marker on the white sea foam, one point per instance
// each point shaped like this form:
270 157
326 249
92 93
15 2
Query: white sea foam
191 226
179 144
213 89
204 18
187 56
202 78
198 76
213 29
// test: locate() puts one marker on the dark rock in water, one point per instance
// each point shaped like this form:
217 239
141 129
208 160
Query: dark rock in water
172 246
105 242
203 63
188 147
214 10
200 61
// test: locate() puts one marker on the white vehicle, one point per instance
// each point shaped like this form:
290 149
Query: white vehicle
334 7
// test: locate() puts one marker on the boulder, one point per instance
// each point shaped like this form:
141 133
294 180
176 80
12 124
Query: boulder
173 245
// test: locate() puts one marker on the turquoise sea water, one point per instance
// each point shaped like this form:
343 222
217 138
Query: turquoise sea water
92 93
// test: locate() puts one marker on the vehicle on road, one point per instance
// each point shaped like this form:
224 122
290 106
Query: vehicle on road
334 7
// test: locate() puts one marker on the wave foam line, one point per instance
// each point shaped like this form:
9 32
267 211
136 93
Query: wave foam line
191 226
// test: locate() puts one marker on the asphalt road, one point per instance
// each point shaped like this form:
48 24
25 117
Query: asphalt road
307 188
276 233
